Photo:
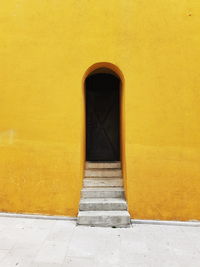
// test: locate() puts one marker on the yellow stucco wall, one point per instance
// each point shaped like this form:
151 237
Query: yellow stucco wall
45 49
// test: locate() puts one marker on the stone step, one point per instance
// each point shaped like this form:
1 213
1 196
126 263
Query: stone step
103 165
104 218
102 182
103 173
98 192
89 204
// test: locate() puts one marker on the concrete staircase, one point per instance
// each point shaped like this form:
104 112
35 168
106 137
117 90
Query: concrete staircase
102 197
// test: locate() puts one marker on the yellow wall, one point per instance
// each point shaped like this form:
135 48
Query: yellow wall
46 47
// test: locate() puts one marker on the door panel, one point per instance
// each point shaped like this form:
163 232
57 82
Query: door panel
102 118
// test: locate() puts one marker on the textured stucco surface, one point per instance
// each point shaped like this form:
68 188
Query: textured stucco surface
46 48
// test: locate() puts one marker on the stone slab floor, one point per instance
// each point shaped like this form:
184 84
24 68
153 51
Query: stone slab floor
55 243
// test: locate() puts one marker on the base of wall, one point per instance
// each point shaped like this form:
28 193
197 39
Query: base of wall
172 223
68 218
36 216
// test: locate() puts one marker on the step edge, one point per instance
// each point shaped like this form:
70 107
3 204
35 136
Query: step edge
111 188
111 212
104 178
103 200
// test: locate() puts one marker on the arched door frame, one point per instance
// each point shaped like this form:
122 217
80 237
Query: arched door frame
115 70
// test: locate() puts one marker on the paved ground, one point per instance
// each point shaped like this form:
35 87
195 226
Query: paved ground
36 242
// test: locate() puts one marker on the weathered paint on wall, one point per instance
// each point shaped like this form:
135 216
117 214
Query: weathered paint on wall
45 49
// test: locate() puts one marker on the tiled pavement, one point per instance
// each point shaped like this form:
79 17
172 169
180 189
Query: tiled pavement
55 243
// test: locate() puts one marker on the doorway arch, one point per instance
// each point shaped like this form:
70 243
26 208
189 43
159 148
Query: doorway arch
103 109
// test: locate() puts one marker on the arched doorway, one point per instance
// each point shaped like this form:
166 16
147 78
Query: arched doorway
102 95
102 200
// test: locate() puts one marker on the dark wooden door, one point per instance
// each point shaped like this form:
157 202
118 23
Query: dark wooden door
102 118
